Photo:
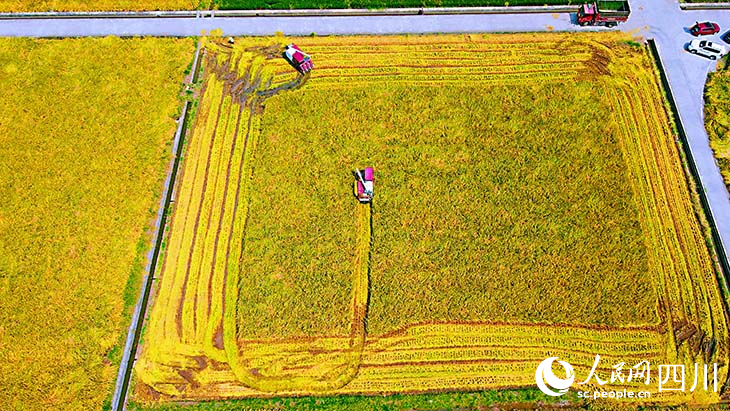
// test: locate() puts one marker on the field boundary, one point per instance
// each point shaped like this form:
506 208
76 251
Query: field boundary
718 246
197 14
129 355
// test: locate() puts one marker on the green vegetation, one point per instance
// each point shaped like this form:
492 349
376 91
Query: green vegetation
611 5
133 5
377 4
85 127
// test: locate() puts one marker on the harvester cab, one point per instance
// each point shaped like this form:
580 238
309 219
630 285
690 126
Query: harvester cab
298 59
364 185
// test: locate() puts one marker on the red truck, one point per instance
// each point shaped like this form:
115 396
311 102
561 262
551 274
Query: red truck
607 13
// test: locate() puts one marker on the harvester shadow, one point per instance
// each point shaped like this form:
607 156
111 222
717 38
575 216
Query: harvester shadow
370 265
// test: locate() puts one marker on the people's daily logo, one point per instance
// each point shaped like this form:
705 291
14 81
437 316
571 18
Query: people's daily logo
668 377
548 382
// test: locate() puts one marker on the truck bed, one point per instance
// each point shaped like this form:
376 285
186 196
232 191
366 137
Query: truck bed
617 7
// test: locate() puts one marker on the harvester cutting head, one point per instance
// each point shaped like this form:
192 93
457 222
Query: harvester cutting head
364 185
298 59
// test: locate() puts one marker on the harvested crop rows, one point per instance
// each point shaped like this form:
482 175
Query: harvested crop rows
205 339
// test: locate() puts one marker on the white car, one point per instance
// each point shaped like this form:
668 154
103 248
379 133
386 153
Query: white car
706 48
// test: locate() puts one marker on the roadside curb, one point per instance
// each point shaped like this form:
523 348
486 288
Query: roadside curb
704 6
433 11
121 385
719 246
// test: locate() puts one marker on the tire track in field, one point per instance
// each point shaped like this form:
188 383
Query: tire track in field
200 276
342 364
238 88
197 220
216 343
649 205
180 213
686 325
178 240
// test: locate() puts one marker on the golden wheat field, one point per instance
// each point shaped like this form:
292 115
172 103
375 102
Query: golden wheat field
530 202
85 128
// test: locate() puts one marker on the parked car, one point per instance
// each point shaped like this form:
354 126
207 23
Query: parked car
706 28
706 48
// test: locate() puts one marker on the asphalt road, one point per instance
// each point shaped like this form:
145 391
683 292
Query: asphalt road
236 26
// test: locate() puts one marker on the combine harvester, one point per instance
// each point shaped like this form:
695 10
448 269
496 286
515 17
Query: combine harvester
298 59
364 185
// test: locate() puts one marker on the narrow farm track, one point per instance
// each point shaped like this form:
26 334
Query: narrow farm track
199 351
213 335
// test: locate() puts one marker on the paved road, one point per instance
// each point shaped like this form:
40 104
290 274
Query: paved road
288 25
